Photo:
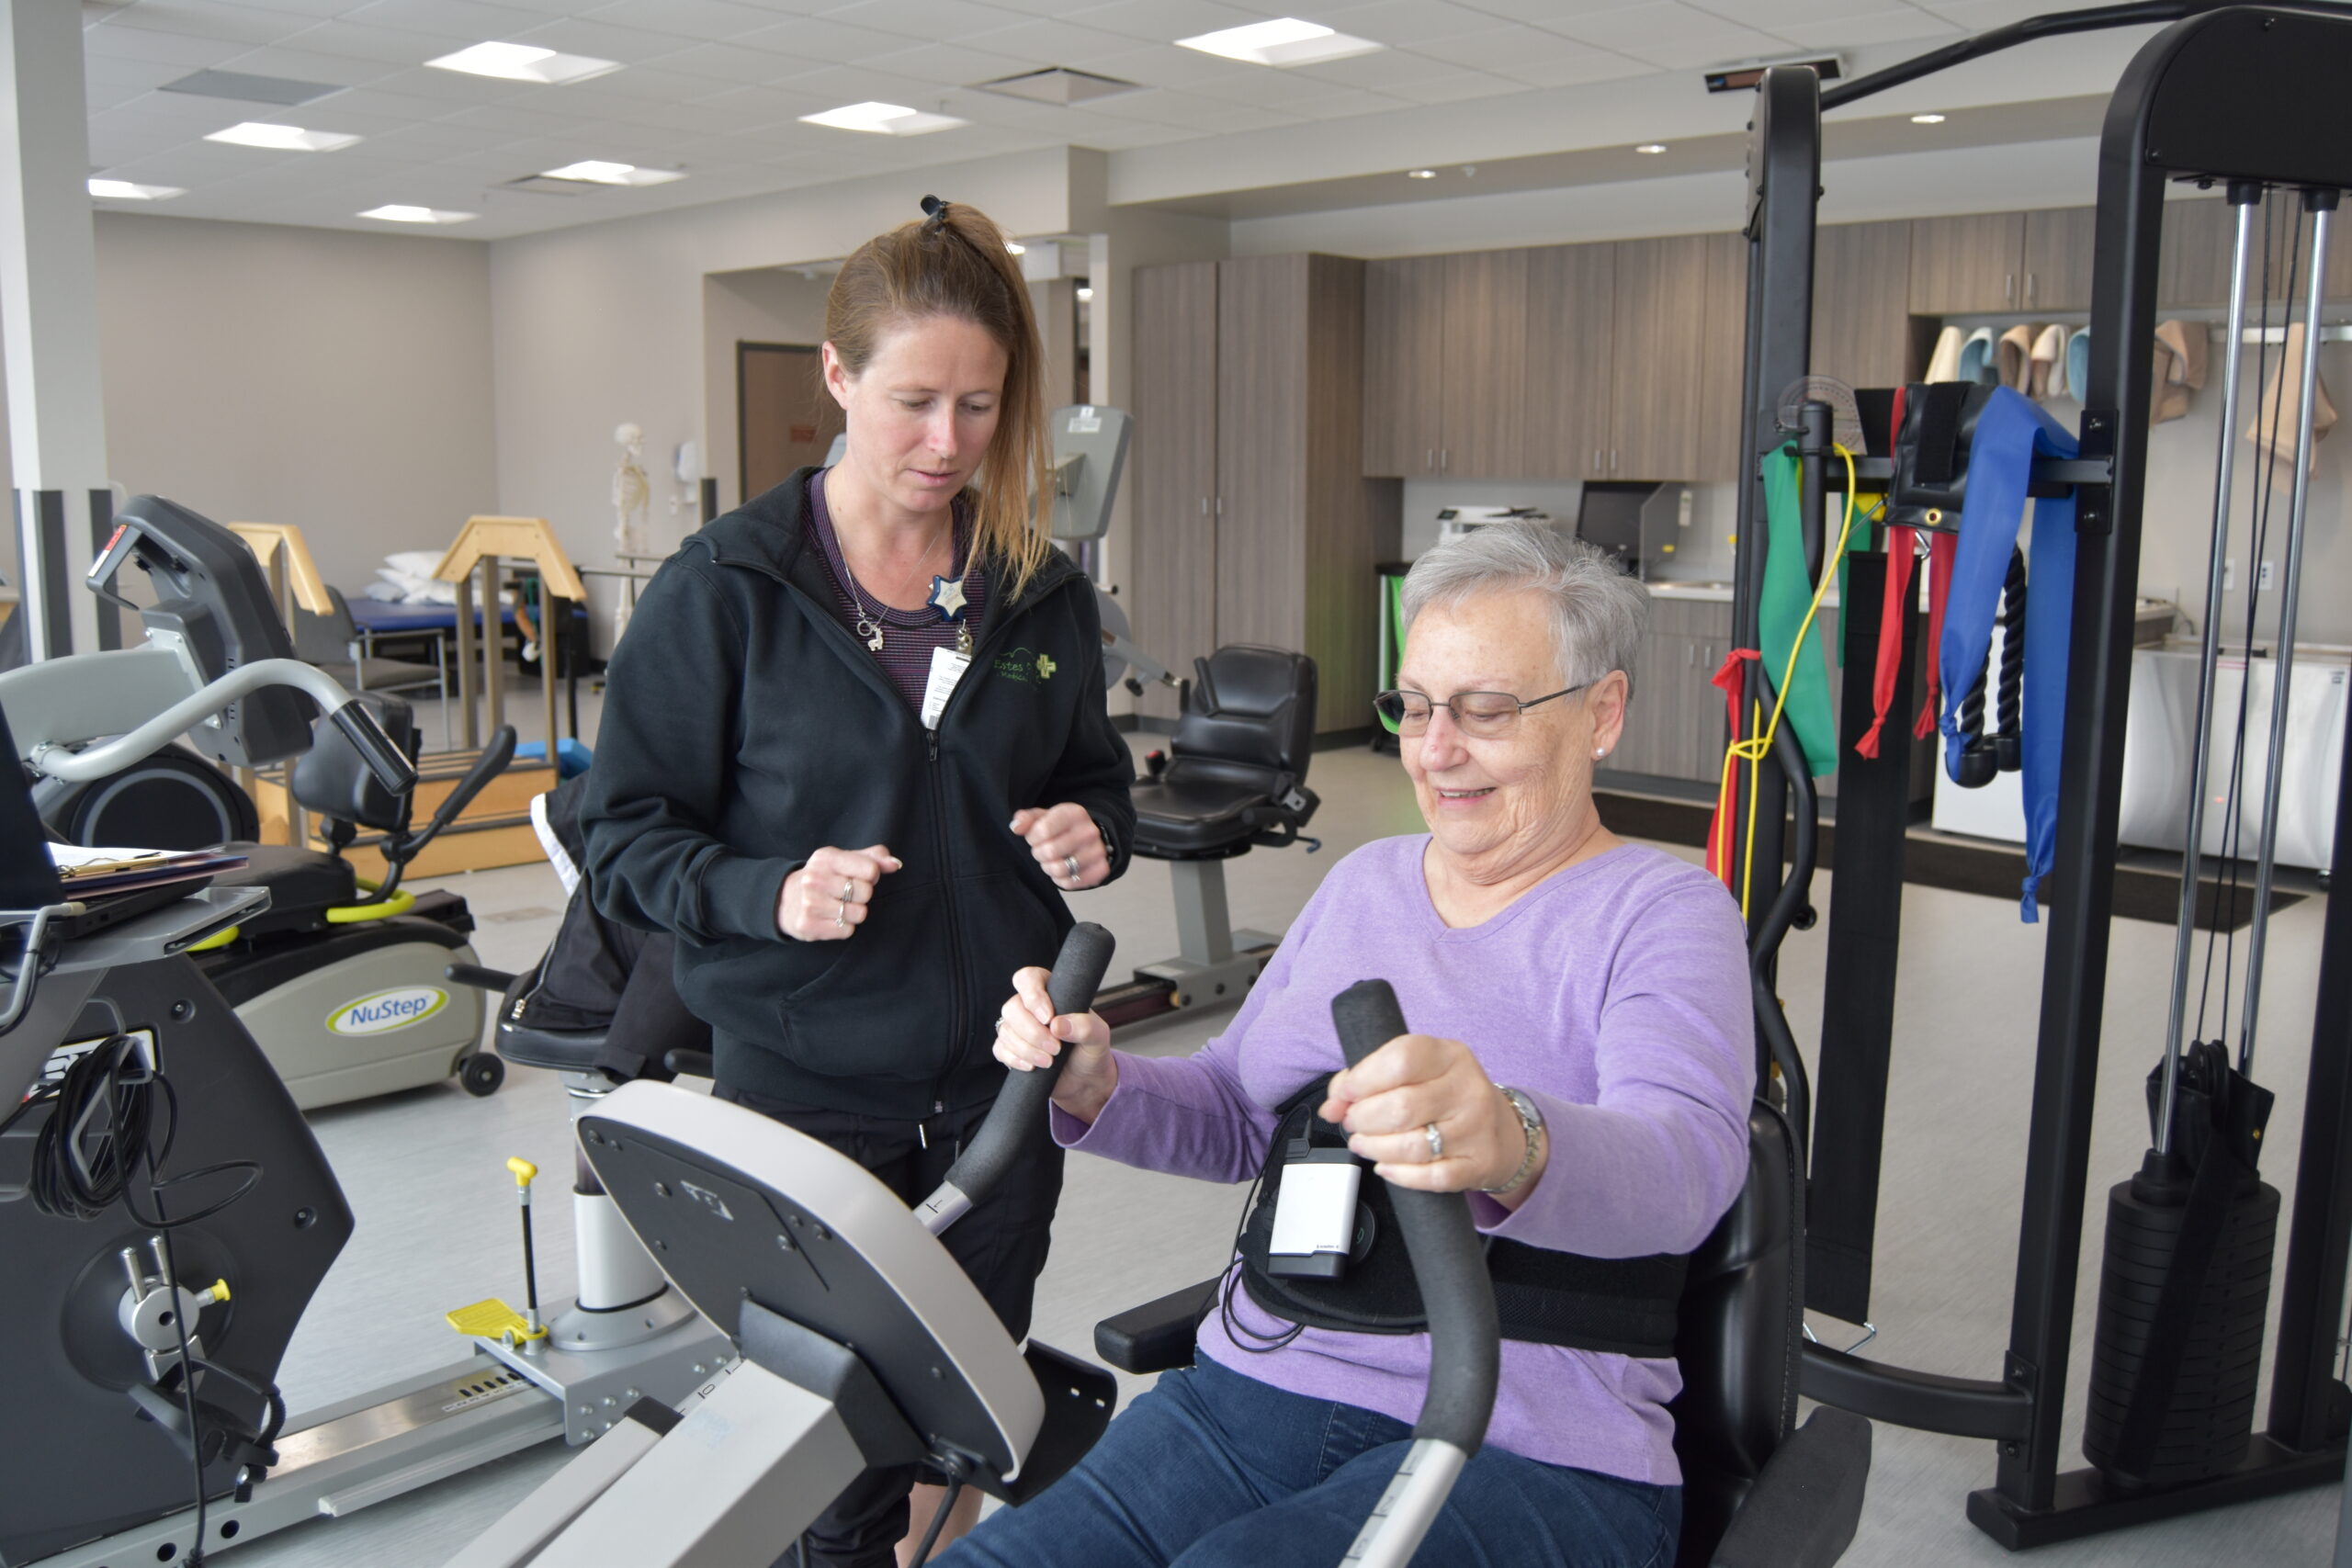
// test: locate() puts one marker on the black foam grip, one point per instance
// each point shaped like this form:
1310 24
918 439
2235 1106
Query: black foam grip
1018 1117
392 770
1449 1264
493 761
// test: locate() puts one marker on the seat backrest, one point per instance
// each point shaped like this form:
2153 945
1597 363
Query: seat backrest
325 639
333 780
1250 705
1737 1341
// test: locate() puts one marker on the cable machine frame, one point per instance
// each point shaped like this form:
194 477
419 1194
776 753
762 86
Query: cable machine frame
2223 94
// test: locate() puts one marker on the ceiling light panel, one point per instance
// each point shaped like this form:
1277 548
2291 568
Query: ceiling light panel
525 62
1284 40
596 170
396 213
880 119
124 190
282 138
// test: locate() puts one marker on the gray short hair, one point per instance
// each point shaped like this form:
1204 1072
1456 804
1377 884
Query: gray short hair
1597 611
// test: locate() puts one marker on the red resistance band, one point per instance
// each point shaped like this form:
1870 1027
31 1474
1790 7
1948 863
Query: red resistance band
1902 555
1718 831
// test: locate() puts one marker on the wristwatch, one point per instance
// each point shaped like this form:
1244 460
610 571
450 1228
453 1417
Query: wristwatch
1530 1121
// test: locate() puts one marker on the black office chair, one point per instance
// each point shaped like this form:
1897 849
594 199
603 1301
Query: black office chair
1234 778
1758 1490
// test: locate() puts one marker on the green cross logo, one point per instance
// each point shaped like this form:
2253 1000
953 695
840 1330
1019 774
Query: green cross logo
1045 667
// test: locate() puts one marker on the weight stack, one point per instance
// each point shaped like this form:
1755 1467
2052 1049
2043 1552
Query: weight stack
2210 1419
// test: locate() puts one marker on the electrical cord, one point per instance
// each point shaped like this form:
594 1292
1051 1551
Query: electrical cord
939 1518
112 1115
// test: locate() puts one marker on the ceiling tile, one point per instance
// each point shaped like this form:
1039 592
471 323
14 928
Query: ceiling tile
1457 86
392 45
139 74
314 10
1641 31
306 65
1057 43
470 21
1600 67
929 19
1678 53
1165 21
600 40
1405 22
824 39
953 65
137 43
1505 48
1980 15
710 19
1853 32
233 24
1375 71
733 62
1180 67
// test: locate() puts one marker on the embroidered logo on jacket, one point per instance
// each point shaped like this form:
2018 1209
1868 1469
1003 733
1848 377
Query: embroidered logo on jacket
1020 664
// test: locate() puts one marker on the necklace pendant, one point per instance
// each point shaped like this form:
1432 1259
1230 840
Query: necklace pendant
871 630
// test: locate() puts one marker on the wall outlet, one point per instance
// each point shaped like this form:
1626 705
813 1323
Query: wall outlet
2263 583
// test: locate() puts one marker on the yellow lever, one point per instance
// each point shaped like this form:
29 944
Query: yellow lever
524 1170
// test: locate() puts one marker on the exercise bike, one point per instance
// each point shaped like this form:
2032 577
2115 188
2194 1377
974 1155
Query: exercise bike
340 982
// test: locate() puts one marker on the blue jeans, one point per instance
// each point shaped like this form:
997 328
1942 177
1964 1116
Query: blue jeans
1215 1469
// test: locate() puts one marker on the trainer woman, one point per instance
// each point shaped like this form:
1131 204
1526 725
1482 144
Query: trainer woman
855 749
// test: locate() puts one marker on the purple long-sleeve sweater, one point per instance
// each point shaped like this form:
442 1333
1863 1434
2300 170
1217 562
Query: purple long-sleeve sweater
1615 993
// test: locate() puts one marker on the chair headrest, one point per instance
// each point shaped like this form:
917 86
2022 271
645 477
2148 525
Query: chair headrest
1252 705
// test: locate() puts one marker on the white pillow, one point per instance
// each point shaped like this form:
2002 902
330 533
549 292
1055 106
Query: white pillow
415 563
383 592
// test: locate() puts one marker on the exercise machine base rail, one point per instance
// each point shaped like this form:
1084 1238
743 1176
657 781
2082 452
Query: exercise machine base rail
2085 1503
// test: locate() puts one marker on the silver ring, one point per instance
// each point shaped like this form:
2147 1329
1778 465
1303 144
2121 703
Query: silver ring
842 920
1069 867
1437 1140
848 887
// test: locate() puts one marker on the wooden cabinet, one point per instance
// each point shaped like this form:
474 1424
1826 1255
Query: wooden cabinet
1566 389
1260 366
1964 265
1171 594
1483 430
1723 359
1862 323
2056 263
1445 353
1660 346
1404 363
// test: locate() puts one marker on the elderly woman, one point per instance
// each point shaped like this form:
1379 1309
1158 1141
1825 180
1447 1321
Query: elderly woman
1586 1075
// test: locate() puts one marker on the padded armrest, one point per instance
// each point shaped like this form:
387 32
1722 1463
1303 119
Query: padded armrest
1158 1335
1802 1510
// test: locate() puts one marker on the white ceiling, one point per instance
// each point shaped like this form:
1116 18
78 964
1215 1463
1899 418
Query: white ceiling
716 87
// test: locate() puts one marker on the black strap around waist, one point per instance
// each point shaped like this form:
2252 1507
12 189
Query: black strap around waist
1623 1306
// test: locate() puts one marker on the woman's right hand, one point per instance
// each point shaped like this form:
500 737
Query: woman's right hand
1028 1036
827 898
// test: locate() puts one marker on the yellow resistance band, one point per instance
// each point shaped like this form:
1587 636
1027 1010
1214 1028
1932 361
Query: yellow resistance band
1755 748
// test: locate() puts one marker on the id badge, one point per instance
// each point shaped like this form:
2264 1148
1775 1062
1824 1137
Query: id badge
948 667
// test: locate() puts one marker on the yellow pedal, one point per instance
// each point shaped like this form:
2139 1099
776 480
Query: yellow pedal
493 1319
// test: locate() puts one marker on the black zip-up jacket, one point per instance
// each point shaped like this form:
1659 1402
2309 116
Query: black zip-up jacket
744 728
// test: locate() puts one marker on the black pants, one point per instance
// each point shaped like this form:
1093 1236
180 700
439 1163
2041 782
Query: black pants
1001 1245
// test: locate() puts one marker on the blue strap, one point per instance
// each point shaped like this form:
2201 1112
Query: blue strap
2009 433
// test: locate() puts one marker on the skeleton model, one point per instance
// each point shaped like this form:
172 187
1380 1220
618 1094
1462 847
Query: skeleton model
631 491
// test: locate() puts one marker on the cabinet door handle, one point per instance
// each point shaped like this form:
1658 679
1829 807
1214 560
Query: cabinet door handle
2029 289
2009 286
1613 459
1220 506
1596 459
1444 458
1205 506
1429 459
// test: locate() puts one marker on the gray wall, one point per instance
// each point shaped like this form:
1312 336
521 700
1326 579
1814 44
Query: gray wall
266 374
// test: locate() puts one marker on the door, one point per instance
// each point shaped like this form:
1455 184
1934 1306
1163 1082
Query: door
1404 363
1170 594
1570 329
785 418
1962 264
1485 359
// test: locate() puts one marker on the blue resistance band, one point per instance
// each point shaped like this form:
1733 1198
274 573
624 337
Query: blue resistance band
2009 433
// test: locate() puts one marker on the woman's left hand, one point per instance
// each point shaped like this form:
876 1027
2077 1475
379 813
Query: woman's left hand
1066 842
1390 1101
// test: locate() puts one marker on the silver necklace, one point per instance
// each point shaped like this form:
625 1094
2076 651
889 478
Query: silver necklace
869 622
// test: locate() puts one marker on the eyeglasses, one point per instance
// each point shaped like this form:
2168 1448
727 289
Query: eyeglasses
1481 715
